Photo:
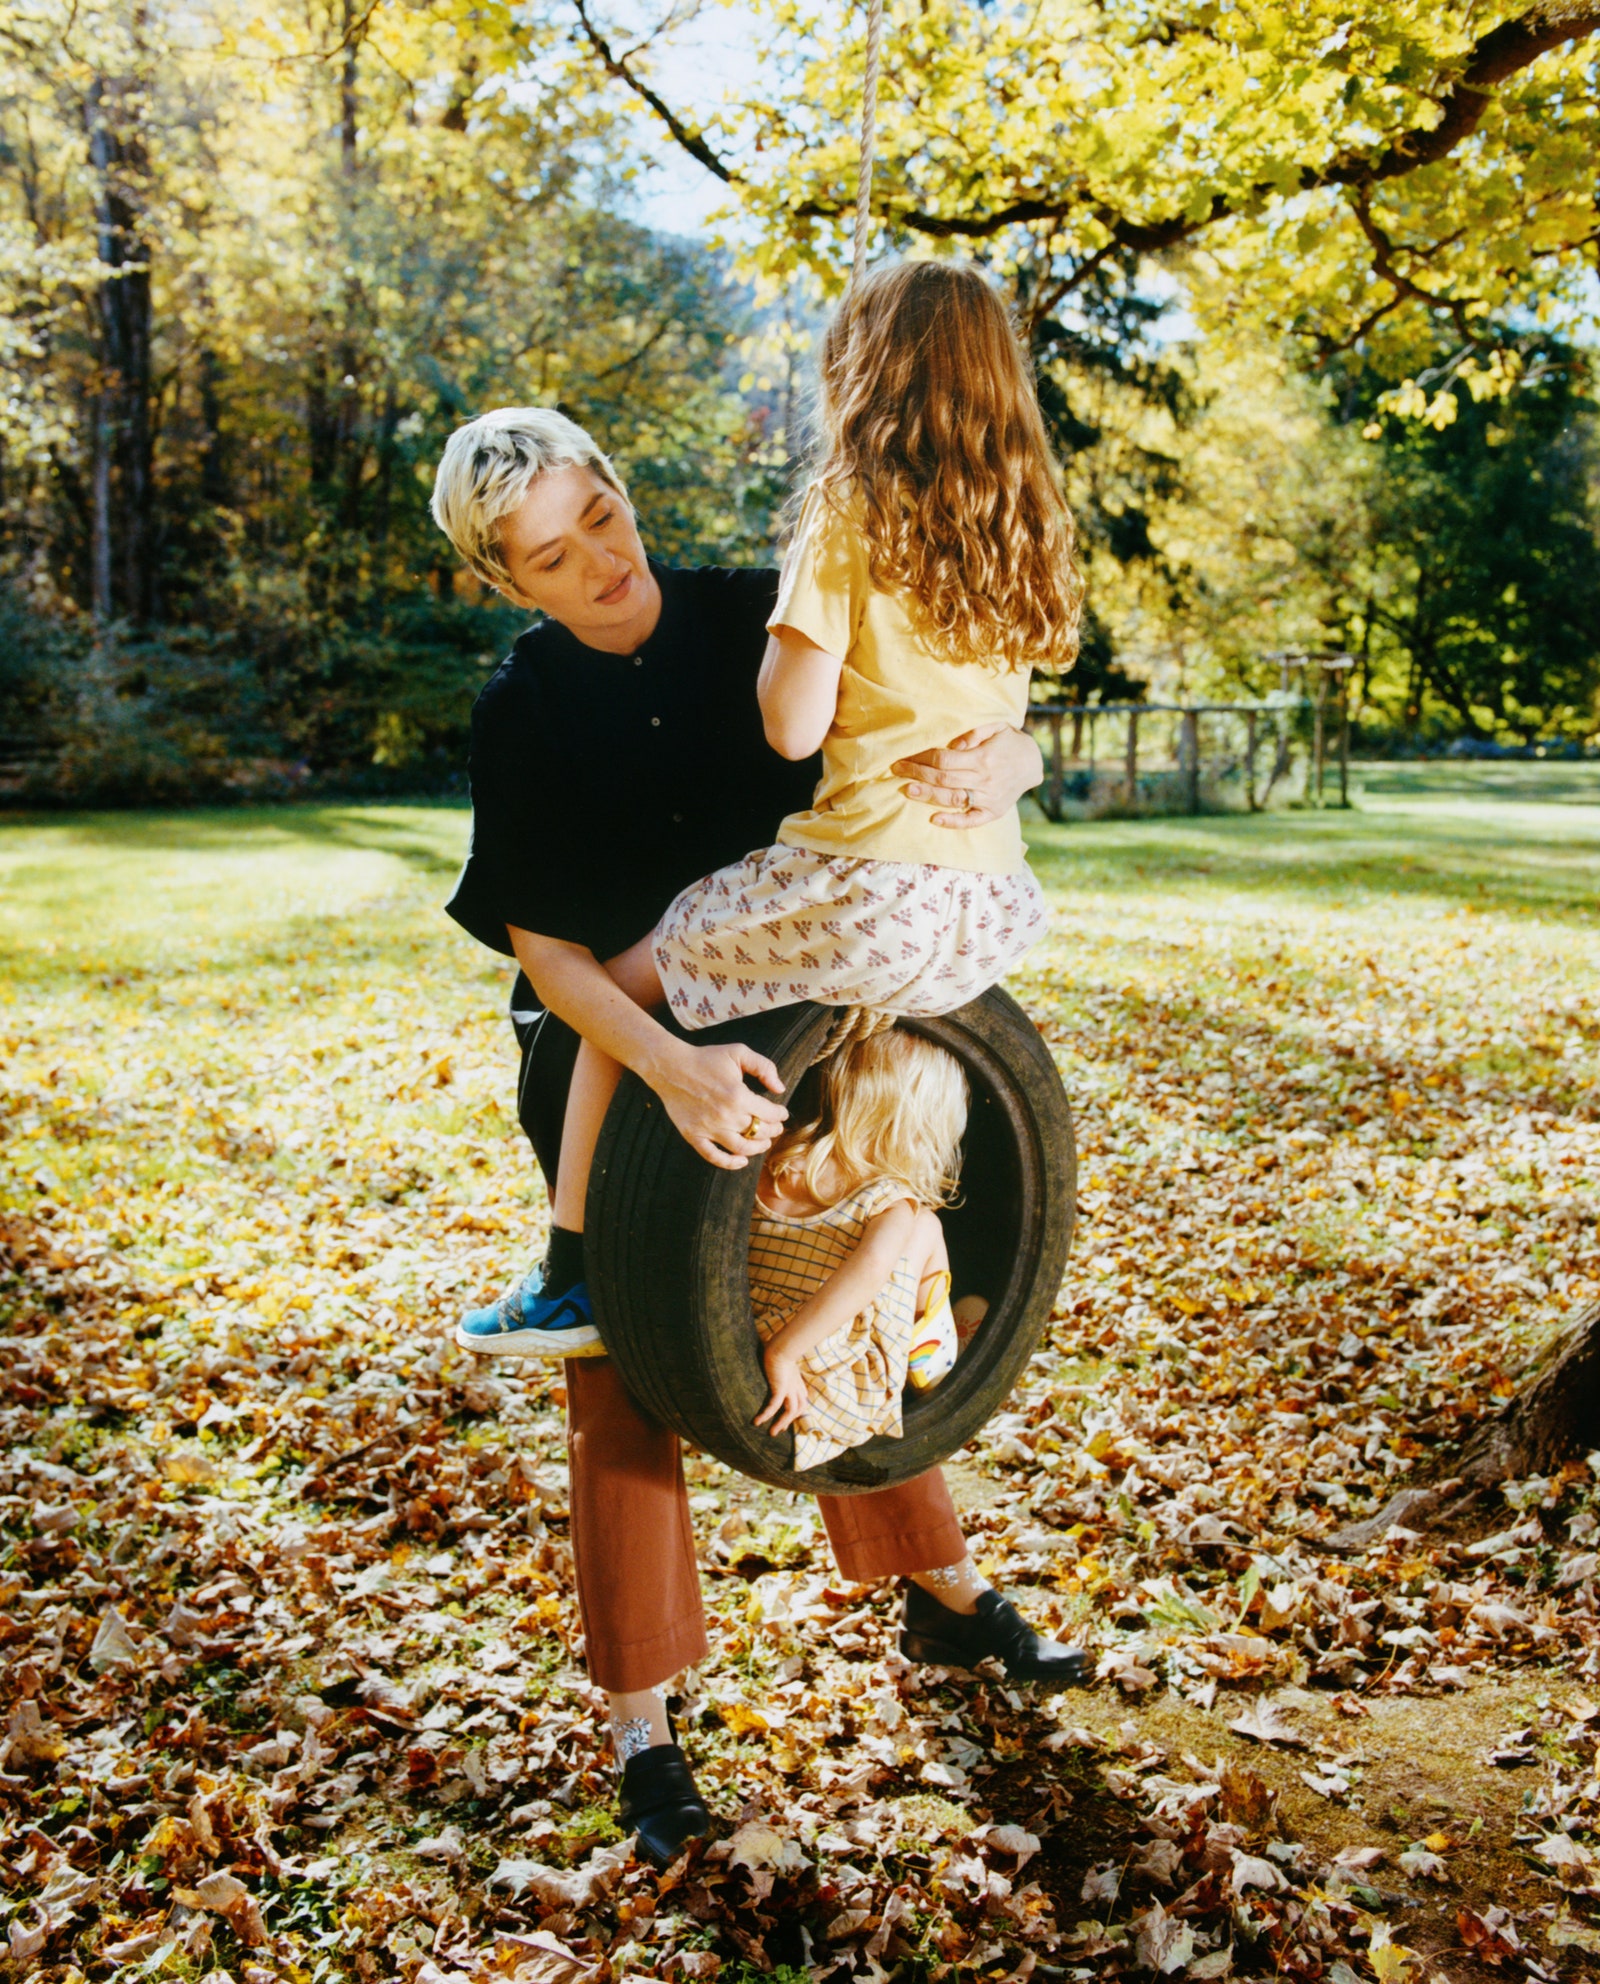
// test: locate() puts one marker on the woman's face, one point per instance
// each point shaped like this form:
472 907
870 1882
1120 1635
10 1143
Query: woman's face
573 551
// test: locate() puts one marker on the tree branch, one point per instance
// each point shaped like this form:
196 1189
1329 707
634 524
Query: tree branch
617 66
1497 56
1502 53
1383 267
622 364
1368 324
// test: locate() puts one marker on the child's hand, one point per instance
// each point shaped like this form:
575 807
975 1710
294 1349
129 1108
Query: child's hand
789 1396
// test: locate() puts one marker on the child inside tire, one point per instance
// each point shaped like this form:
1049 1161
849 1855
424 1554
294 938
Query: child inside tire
849 1277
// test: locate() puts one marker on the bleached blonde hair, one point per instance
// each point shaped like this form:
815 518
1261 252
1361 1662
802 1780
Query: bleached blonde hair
932 435
893 1105
488 467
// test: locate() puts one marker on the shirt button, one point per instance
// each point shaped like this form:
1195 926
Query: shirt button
655 722
638 661
677 819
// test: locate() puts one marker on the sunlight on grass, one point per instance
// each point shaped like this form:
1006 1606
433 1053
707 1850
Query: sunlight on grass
114 890
110 890
287 975
1464 837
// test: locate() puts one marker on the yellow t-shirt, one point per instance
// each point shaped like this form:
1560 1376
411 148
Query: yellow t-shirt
896 698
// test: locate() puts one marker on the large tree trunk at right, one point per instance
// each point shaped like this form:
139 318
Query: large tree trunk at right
1553 1416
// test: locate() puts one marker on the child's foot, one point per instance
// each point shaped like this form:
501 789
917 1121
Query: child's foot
526 1322
969 1312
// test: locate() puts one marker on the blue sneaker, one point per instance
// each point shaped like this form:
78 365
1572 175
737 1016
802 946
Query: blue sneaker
527 1323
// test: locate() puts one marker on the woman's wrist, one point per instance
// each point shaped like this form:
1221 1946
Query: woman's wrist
660 1061
1032 767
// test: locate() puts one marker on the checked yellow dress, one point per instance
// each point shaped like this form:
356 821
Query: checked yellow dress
855 1377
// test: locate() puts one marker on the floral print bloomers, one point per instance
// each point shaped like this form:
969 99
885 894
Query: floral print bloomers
789 924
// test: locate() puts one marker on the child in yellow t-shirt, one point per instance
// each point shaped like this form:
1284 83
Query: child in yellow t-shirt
932 567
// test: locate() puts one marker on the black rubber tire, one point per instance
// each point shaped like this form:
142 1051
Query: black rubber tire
667 1263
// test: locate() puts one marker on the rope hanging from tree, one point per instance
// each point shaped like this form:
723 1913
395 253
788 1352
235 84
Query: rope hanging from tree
869 137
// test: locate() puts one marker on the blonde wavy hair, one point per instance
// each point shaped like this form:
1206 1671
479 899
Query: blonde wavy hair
932 429
892 1105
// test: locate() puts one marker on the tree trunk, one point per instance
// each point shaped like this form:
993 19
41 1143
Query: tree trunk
1554 1414
101 557
347 90
1366 656
333 393
122 564
214 484
349 356
383 495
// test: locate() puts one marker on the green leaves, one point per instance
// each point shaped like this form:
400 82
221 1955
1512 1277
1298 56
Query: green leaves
1077 117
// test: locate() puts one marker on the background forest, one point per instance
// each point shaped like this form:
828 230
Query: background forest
256 262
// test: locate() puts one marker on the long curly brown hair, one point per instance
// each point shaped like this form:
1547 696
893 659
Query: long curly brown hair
933 438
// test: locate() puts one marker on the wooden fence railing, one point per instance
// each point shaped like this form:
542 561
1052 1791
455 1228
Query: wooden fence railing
1322 704
1270 732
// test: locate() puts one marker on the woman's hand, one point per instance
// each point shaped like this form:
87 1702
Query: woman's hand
977 777
702 1087
704 1092
789 1396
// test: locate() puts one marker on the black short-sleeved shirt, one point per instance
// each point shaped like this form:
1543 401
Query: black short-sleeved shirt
603 784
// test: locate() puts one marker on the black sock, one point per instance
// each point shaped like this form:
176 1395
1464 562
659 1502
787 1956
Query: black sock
563 1264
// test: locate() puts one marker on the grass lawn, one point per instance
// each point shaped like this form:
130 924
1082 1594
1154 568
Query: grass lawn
286 1586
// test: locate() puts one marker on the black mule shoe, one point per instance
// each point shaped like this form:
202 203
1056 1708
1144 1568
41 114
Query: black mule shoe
659 1802
997 1630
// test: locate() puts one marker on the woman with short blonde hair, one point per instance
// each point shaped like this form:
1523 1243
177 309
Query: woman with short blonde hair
617 755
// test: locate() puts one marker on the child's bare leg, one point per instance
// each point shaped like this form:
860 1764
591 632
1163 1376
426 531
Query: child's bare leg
635 972
957 1586
594 1082
968 1312
547 1314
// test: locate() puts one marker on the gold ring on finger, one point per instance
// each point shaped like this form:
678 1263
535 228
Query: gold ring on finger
753 1127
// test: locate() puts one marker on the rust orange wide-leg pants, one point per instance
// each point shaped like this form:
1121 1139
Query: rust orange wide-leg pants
632 1545
638 1583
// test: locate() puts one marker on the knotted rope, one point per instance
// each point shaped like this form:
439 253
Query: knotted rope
869 137
861 1022
854 1023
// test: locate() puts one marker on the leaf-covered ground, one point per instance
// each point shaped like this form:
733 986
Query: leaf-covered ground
291 1676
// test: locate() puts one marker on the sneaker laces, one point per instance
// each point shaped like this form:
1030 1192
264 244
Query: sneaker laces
509 1308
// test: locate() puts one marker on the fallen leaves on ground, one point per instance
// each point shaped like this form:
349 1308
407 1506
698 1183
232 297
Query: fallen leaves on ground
293 1663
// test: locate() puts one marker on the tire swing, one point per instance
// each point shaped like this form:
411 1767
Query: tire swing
671 1288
